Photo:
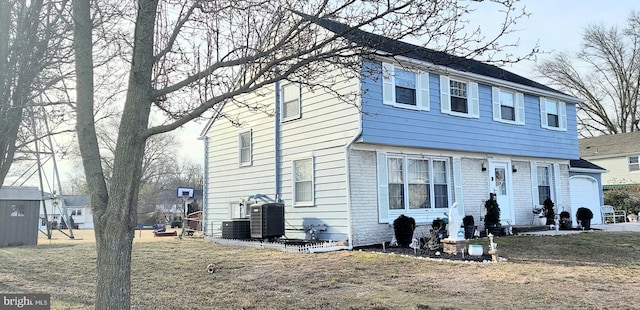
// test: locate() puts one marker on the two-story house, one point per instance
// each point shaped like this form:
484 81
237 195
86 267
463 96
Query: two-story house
619 154
424 130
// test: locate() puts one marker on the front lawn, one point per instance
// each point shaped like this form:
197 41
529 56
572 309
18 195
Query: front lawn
597 270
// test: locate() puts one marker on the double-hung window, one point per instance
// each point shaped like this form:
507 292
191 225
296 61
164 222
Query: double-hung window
459 97
290 101
244 148
508 106
553 114
459 94
417 183
303 183
544 183
634 165
404 88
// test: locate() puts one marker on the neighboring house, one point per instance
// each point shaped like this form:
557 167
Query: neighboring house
77 207
172 207
427 129
619 154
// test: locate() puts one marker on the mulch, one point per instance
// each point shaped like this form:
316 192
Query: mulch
426 253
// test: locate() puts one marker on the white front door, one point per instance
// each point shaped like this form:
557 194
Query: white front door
500 184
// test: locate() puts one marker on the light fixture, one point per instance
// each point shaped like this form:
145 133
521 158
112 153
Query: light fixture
484 166
514 168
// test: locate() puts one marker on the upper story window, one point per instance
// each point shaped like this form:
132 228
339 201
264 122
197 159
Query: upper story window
508 106
404 88
77 212
553 114
303 182
244 148
290 101
634 164
459 97
459 94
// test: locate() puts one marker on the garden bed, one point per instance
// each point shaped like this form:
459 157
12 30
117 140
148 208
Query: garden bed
426 253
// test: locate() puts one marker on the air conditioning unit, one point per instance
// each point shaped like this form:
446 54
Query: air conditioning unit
236 229
267 220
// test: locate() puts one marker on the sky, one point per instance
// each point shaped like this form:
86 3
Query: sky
556 25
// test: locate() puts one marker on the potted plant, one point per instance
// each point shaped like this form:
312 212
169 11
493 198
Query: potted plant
584 216
539 215
565 220
469 226
549 213
403 228
492 217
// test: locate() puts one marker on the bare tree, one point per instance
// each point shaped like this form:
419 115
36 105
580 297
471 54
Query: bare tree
606 73
35 53
205 53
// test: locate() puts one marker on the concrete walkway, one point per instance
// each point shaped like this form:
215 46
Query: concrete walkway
603 227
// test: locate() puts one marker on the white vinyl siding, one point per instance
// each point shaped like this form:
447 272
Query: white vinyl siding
508 106
405 89
459 97
553 114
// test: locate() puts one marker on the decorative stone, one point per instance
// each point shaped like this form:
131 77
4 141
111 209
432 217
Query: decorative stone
454 246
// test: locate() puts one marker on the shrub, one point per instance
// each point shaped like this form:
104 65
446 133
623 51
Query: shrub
584 214
403 228
549 213
623 200
492 217
468 221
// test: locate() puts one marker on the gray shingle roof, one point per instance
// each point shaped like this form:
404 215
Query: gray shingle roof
396 47
610 145
584 164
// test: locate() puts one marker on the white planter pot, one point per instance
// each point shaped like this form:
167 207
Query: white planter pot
542 221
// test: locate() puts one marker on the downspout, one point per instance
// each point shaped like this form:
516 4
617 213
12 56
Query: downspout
205 185
276 139
347 151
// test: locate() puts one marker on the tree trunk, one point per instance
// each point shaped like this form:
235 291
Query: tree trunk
115 210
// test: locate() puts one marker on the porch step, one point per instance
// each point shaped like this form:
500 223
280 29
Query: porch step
518 229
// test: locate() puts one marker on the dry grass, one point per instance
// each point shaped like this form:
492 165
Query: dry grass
591 271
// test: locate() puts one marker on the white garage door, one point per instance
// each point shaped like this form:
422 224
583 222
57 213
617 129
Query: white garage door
585 193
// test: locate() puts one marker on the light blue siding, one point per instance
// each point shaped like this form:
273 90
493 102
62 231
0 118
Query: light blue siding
390 125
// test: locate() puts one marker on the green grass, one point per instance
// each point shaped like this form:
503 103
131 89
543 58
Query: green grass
590 270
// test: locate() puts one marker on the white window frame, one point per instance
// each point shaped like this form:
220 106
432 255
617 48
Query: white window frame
306 203
407 210
242 161
473 101
633 167
421 80
561 107
284 117
555 187
517 104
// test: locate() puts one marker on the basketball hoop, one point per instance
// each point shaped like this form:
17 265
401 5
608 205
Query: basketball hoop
185 197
